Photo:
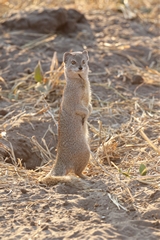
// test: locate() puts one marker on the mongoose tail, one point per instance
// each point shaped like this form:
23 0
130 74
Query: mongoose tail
67 180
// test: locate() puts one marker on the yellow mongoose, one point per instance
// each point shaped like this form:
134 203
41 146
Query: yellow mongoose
73 151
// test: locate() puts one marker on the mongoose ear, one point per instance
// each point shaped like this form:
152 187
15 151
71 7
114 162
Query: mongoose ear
85 53
66 56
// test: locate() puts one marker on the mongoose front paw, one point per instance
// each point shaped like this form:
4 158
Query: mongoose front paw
90 108
82 111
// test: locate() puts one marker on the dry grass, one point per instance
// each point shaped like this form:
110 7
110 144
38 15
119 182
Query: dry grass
148 10
118 154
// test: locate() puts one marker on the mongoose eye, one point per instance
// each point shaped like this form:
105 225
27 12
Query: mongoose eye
83 62
73 62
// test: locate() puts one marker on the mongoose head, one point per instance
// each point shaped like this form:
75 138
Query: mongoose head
75 64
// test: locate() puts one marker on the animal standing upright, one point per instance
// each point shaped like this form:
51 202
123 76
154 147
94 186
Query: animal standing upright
73 151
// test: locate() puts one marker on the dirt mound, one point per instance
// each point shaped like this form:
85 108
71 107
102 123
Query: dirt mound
45 20
24 138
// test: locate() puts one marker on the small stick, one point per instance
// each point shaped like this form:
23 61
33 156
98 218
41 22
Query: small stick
149 141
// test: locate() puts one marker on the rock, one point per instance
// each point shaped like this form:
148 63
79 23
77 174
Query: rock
137 79
3 112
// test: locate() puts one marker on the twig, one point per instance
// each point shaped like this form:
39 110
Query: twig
149 141
115 201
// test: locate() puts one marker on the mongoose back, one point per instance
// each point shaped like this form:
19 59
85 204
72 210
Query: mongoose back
73 151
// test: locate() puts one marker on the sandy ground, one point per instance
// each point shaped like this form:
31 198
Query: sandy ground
110 206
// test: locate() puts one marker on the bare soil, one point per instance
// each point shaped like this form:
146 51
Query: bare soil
124 64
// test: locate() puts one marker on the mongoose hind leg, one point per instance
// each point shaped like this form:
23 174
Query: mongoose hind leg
80 168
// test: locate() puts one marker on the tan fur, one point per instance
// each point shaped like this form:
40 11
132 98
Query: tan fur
73 151
70 181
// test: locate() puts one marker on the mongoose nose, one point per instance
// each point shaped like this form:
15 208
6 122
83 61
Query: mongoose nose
80 68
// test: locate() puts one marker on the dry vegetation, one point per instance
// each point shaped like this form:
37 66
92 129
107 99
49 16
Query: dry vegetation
147 10
129 153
